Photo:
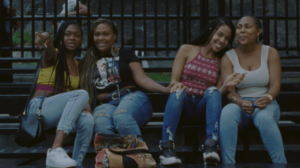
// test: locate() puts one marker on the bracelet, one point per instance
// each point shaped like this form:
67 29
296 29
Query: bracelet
234 97
270 97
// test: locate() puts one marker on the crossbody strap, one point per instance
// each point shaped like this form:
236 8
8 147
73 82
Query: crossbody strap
34 86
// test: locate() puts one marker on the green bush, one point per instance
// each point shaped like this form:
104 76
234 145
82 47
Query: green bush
27 38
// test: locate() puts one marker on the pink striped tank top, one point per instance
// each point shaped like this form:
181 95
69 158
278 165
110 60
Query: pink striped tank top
199 74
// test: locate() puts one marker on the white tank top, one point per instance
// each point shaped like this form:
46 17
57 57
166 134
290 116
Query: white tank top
255 83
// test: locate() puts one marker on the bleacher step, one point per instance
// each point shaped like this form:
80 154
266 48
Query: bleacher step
23 152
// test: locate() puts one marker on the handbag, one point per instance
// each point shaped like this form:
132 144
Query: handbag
31 130
116 151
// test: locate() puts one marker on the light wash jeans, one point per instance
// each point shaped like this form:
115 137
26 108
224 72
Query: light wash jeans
124 116
193 108
233 118
64 111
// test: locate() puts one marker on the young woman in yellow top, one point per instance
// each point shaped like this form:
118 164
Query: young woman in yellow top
63 105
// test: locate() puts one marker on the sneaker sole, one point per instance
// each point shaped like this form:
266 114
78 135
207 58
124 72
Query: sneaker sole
212 157
52 165
169 161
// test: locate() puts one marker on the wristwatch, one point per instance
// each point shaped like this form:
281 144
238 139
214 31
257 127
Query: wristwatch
270 97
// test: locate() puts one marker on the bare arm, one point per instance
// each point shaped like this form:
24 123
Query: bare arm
179 62
49 53
227 78
227 69
274 67
144 81
82 10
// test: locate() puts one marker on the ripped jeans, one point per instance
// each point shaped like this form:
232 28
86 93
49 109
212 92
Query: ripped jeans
124 116
64 112
191 109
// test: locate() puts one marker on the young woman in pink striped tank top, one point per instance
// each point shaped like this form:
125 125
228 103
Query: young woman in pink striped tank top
196 93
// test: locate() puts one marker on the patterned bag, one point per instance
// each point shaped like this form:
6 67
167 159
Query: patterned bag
116 151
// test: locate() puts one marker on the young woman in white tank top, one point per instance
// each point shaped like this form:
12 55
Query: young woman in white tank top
252 100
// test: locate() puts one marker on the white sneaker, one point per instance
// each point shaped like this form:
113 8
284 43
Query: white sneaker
59 158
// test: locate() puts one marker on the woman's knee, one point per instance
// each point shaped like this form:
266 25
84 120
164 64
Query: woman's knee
87 121
213 91
230 110
82 93
123 119
178 95
264 119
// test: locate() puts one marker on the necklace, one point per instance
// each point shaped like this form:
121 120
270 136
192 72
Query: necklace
68 64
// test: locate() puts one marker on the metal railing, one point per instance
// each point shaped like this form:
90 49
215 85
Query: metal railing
159 27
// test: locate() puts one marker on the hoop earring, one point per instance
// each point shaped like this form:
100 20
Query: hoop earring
236 41
114 54
257 39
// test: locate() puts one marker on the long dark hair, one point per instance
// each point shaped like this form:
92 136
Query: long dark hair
88 62
206 35
60 65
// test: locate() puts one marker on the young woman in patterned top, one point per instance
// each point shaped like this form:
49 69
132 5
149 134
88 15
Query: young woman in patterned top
196 89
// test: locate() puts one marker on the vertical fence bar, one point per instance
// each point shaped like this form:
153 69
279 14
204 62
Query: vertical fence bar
144 26
99 9
77 12
252 7
22 29
55 17
111 10
242 7
122 23
11 29
184 22
266 24
66 9
1 18
189 20
178 23
32 28
221 8
202 14
167 27
44 15
155 26
286 29
230 9
297 20
133 25
88 20
275 23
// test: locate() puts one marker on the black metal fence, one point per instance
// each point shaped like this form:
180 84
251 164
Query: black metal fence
156 27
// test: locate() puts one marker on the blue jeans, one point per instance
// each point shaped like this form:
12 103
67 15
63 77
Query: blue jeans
193 108
233 118
64 111
124 116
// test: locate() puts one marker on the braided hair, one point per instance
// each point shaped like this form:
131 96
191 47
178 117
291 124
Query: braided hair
204 38
60 65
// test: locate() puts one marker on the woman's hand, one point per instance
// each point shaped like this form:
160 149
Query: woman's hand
87 108
234 79
262 102
178 85
45 36
247 107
